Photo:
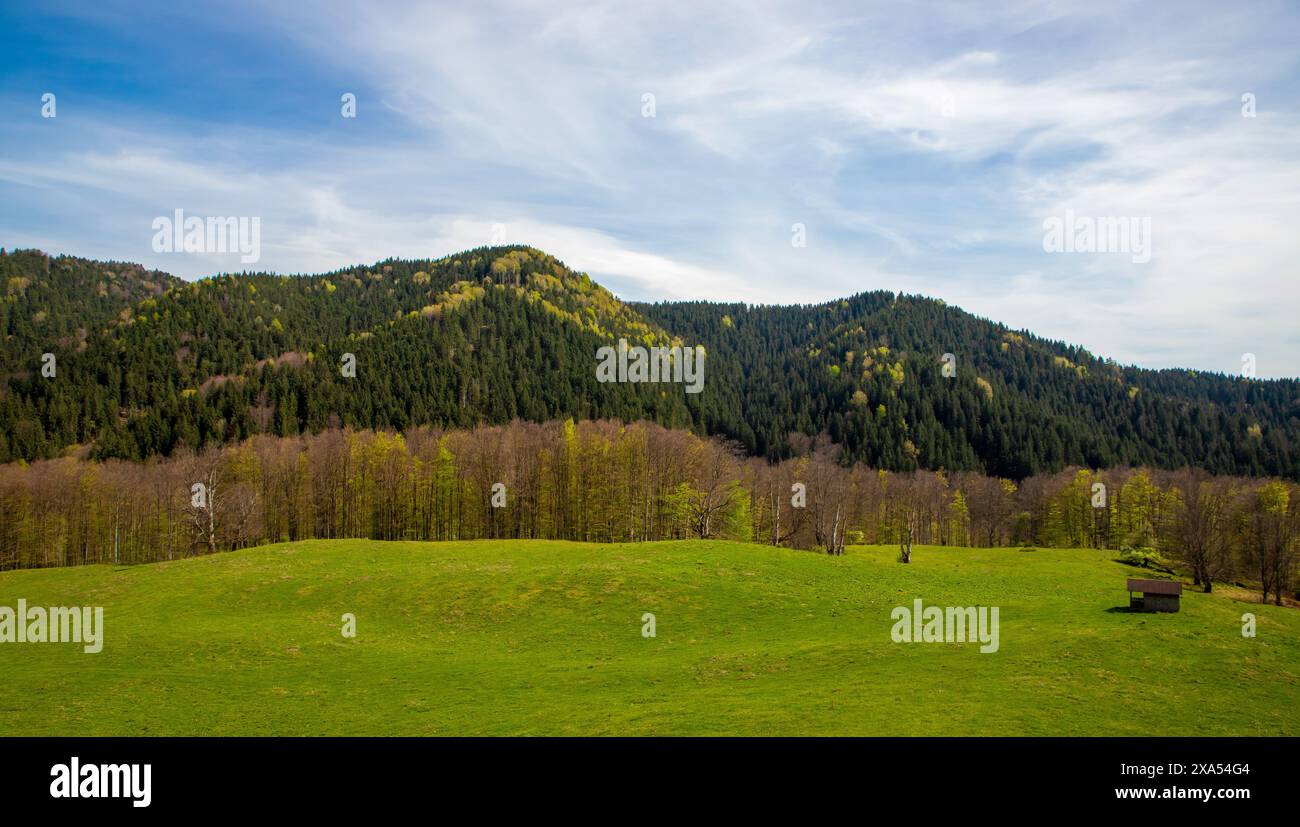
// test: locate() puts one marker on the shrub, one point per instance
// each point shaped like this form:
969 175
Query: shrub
1142 557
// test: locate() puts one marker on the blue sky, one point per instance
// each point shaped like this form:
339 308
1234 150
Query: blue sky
922 149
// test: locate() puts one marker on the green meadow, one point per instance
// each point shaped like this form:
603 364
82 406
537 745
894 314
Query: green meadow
545 638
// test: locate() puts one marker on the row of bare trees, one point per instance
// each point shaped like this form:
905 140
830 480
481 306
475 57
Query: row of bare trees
606 481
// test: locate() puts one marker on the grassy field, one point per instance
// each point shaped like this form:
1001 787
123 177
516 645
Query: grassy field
544 638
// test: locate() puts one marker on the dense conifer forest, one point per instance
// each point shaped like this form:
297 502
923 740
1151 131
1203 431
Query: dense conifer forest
145 364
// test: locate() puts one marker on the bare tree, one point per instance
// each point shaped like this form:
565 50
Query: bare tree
1200 527
829 500
919 500
715 493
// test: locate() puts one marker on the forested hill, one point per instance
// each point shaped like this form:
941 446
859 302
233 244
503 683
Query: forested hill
147 363
60 301
868 370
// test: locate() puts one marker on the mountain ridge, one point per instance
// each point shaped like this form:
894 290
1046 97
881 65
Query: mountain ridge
497 333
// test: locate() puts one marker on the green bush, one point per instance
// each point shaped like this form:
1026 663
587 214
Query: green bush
1142 557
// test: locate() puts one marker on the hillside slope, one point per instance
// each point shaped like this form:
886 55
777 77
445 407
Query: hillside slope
510 332
48 303
868 370
488 335
540 637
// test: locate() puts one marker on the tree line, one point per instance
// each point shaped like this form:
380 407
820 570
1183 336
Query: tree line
604 481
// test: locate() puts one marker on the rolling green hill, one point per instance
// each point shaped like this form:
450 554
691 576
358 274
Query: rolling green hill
150 365
540 638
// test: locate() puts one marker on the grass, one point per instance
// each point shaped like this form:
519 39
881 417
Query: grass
544 638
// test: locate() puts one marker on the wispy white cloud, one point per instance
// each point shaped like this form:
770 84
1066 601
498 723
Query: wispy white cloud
921 146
